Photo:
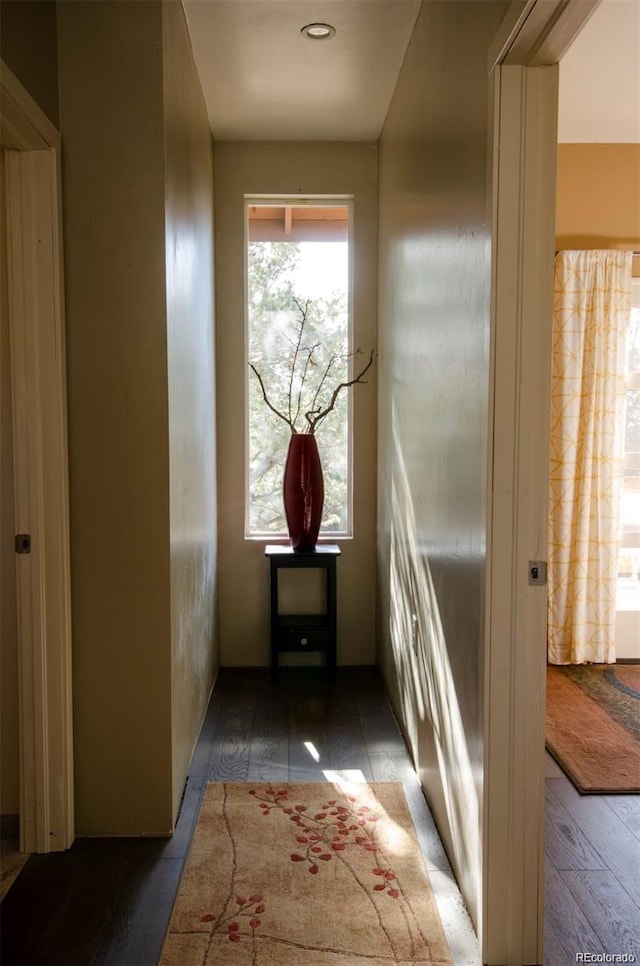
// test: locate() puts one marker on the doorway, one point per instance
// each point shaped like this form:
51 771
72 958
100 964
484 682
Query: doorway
9 751
36 590
597 208
525 54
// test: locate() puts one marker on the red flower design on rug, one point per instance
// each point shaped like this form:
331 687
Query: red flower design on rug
235 923
333 827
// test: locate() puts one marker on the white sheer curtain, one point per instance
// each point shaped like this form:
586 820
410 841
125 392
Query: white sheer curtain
591 314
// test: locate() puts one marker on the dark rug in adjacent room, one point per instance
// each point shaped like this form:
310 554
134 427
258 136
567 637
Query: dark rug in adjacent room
593 725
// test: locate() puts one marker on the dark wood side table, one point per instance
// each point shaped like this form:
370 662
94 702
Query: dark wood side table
304 632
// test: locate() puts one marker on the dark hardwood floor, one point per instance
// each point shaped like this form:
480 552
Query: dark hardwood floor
592 873
108 901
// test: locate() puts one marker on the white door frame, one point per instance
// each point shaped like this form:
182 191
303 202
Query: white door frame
516 632
38 381
523 61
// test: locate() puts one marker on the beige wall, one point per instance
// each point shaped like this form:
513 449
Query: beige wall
598 197
189 267
28 47
9 789
137 212
434 371
110 66
290 168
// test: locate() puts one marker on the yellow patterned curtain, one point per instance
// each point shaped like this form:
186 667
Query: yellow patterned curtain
591 315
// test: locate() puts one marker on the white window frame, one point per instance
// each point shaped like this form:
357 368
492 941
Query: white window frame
314 201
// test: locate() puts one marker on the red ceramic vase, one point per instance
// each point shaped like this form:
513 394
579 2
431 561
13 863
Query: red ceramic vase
303 491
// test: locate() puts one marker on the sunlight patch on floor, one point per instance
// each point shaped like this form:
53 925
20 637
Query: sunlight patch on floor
313 751
350 781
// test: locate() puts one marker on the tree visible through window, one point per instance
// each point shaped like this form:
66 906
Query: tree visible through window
297 259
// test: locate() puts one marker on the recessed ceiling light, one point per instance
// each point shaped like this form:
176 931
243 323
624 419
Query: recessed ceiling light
318 31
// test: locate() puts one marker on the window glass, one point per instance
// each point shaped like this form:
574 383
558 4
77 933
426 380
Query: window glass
629 558
298 336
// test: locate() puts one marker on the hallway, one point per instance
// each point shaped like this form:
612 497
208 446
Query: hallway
108 901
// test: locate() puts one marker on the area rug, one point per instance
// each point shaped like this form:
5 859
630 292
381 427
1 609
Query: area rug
593 725
310 874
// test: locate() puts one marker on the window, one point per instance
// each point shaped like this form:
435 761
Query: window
628 597
298 308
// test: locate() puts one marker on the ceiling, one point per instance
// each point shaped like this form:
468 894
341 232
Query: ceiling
264 81
600 78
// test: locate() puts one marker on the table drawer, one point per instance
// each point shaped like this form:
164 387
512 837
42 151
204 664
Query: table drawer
303 637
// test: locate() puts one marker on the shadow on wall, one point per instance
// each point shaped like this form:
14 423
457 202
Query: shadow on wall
426 687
